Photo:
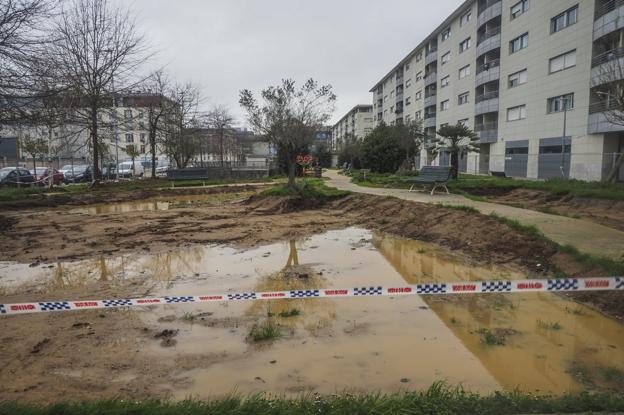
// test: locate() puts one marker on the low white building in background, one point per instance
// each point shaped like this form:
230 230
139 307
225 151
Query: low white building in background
357 123
505 68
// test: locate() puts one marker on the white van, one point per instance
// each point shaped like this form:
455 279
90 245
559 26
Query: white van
125 169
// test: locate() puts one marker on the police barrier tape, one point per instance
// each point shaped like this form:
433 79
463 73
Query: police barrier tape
440 288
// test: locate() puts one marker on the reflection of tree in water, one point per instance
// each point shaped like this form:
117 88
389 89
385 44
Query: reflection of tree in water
316 313
166 266
78 274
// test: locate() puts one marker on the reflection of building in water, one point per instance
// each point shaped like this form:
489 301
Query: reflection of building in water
534 358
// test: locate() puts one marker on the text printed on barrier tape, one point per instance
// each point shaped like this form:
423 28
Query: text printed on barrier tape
441 288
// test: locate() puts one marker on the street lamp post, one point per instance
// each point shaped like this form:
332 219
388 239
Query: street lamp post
115 132
564 102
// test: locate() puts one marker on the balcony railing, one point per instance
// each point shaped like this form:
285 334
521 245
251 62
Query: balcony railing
603 106
486 96
608 56
486 4
488 65
488 34
607 7
430 115
487 126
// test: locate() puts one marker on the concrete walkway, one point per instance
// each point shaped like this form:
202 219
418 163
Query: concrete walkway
586 236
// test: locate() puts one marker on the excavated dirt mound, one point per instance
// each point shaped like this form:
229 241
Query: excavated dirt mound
606 212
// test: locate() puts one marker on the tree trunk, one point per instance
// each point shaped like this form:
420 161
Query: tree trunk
35 165
152 138
454 165
94 142
221 147
292 167
615 170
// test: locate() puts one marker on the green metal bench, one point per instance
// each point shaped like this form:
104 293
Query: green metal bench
437 176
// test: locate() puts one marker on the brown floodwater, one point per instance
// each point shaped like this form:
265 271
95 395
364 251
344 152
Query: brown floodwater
546 343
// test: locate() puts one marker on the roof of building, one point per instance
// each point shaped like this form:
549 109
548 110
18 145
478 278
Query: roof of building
352 110
433 34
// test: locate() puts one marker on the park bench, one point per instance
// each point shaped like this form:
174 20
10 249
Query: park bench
437 176
500 174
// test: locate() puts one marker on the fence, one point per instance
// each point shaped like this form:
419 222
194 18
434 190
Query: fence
580 166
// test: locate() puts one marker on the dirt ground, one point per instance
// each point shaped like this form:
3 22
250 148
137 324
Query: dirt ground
98 354
606 212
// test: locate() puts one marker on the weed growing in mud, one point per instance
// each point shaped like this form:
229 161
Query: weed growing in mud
188 317
264 332
290 313
512 223
309 188
549 211
383 221
489 338
437 399
463 208
548 325
422 251
578 311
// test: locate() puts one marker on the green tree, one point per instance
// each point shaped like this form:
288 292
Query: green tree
35 148
133 153
323 155
458 140
289 116
382 150
411 140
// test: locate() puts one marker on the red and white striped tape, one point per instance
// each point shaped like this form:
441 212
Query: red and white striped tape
441 288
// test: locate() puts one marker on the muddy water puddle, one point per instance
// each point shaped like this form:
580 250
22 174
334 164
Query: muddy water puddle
532 341
164 203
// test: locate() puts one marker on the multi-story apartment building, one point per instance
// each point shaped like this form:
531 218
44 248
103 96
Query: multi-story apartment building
523 74
357 123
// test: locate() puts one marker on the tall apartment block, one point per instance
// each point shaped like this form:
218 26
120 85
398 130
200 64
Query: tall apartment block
517 72
357 123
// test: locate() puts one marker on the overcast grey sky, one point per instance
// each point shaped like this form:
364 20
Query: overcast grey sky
228 45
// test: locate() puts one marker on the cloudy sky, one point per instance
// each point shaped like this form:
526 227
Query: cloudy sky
228 45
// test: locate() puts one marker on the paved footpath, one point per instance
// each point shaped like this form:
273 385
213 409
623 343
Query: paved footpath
586 236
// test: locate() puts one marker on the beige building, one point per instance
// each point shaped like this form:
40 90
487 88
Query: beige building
357 123
507 69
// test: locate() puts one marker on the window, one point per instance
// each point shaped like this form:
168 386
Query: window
142 137
141 125
418 95
446 57
464 72
140 115
519 43
565 19
142 149
519 8
408 83
562 62
518 78
407 66
463 98
408 100
419 56
391 94
128 114
418 76
385 98
444 81
129 138
558 104
408 118
516 113
465 18
463 122
446 34
392 109
464 46
444 105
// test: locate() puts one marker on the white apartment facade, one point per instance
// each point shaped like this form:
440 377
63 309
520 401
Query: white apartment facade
357 123
507 69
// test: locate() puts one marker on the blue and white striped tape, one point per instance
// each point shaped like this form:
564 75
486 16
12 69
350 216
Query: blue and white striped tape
438 288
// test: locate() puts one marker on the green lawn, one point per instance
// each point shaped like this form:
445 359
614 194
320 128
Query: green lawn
470 184
438 399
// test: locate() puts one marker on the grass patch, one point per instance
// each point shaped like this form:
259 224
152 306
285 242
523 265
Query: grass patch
437 399
188 317
308 188
549 325
489 338
577 311
266 331
386 180
548 210
463 208
290 313
512 223
612 266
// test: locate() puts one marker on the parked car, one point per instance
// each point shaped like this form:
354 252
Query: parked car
162 170
125 169
41 176
80 173
108 171
16 177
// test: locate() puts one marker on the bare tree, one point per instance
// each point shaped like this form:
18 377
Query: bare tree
609 91
220 120
160 109
95 44
181 138
289 117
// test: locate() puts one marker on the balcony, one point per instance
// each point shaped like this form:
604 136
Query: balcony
490 43
609 17
430 121
432 56
488 72
487 132
431 78
608 67
599 114
493 10
488 34
487 102
430 100
399 96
